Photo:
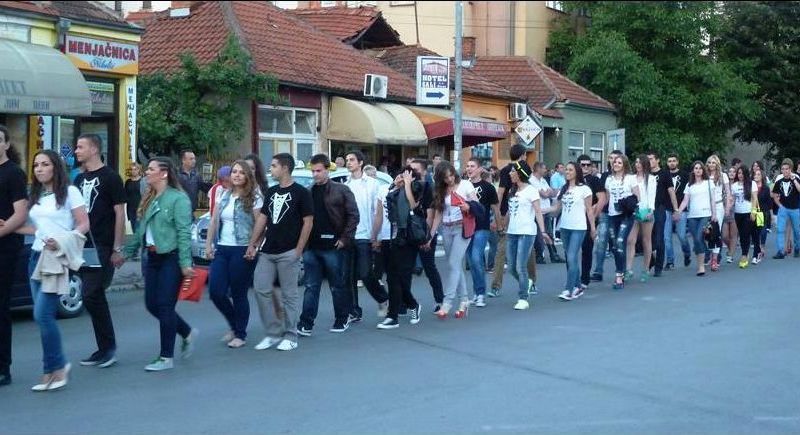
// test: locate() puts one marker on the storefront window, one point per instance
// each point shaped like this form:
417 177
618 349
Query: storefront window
102 97
304 151
275 121
286 130
305 122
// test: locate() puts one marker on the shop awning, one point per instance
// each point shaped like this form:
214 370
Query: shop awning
36 79
379 123
439 123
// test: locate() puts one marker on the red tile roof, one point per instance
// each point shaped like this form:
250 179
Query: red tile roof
280 44
141 18
404 59
341 22
539 84
85 11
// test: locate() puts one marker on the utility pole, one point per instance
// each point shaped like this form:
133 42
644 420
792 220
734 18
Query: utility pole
457 124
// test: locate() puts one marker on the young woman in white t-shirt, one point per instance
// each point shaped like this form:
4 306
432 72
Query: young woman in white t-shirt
577 216
524 213
620 184
698 198
229 234
745 202
450 202
647 184
721 188
56 208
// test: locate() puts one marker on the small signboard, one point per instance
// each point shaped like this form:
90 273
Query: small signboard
433 81
528 129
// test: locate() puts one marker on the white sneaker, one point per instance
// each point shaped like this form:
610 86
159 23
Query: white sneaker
383 309
266 343
389 324
729 259
566 295
287 344
159 364
756 260
522 304
480 301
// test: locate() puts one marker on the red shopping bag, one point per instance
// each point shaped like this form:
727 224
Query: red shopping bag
192 288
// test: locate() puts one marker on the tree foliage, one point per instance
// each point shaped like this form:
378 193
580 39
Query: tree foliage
656 62
201 106
763 40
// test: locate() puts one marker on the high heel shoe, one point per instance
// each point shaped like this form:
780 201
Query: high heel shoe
462 311
46 381
444 311
56 385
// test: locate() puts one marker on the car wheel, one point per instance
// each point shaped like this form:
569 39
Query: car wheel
71 304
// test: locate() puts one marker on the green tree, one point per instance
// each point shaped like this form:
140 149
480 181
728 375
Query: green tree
201 106
763 40
657 63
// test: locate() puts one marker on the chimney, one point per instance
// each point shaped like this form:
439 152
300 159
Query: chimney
181 5
468 48
147 6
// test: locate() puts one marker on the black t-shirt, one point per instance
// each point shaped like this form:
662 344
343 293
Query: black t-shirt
679 179
487 196
133 196
790 198
663 183
594 184
12 189
505 182
603 179
285 208
427 196
322 235
102 189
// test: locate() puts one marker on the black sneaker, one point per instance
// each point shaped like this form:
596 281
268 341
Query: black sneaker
5 379
415 314
93 360
797 253
303 330
389 323
596 277
108 360
353 318
436 308
687 260
340 326
657 273
669 266
779 256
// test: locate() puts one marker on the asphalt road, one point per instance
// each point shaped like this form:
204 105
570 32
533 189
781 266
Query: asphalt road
717 354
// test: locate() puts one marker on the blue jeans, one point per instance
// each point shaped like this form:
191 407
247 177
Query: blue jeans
477 266
161 280
600 244
322 264
572 240
696 228
45 308
518 251
493 239
618 229
794 216
680 228
228 280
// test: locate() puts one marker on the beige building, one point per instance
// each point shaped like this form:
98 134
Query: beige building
499 28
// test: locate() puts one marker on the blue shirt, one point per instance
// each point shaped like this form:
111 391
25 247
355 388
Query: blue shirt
557 181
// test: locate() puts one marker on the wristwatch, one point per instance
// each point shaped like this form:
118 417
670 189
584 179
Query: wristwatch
118 249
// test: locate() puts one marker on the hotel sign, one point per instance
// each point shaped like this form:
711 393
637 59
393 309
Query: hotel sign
102 55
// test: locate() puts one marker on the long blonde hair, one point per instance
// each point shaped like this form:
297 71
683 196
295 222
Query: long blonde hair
718 172
249 190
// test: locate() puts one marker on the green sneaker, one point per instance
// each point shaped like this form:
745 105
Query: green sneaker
159 364
493 293
187 344
628 275
645 277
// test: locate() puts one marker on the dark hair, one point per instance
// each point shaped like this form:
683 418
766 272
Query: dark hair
285 159
414 174
649 153
626 164
60 179
443 169
358 155
475 160
578 178
673 155
516 151
746 183
421 161
94 139
735 161
166 164
583 157
260 172
320 158
12 152
435 156
705 172
185 151
645 162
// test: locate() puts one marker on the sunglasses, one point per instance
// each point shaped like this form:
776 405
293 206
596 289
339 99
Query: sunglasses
585 164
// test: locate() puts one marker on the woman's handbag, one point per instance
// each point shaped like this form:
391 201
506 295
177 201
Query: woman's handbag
91 258
644 214
758 217
468 222
627 205
191 288
416 229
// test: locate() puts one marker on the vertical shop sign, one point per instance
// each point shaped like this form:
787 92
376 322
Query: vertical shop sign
130 103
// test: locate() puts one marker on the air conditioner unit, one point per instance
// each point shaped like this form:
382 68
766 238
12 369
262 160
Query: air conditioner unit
518 111
375 86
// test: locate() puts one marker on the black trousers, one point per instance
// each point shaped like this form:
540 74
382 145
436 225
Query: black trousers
95 283
587 251
8 261
359 267
748 233
428 259
402 259
657 238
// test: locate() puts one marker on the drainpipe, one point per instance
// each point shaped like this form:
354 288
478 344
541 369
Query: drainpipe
512 20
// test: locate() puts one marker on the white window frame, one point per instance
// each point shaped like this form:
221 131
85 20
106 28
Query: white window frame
583 140
559 6
402 3
327 4
294 137
602 147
